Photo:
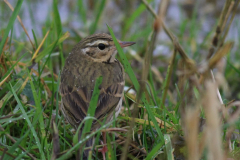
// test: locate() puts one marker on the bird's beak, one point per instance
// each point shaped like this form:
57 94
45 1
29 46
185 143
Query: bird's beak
125 44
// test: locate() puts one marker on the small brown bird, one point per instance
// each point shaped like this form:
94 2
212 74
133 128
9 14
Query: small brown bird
92 57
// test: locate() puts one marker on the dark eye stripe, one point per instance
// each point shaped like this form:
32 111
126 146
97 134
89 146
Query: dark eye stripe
89 53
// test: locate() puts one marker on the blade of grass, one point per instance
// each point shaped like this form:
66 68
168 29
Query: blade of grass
35 38
233 67
167 80
57 19
168 147
145 137
21 155
51 106
151 155
50 47
20 21
134 80
16 87
39 47
17 144
113 139
92 108
48 58
29 123
5 121
133 17
38 108
10 24
97 139
82 10
57 107
58 26
99 13
38 114
110 153
165 88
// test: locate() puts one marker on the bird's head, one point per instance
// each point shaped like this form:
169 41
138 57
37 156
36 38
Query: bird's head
100 47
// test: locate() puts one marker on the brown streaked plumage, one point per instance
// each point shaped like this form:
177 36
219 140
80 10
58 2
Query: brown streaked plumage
92 57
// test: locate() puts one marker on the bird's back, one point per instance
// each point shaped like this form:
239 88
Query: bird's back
77 84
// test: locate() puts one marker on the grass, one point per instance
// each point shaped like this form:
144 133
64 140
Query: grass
171 108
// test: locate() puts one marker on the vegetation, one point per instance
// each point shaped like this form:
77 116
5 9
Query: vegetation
181 96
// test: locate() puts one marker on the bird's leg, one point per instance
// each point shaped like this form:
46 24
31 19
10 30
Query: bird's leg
104 149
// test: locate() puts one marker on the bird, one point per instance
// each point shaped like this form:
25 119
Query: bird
92 57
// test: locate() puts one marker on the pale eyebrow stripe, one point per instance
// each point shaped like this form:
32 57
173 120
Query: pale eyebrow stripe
97 42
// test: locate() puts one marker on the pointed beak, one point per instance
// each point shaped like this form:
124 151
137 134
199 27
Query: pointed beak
125 44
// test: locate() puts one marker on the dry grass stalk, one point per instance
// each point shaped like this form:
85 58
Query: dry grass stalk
191 132
230 22
39 47
168 78
213 127
221 52
20 21
190 63
220 27
2 61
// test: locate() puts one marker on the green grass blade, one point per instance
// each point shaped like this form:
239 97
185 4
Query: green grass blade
82 10
10 24
168 147
35 38
133 17
99 13
38 114
19 157
133 78
29 123
58 26
6 121
56 17
110 153
93 103
233 67
92 107
154 152
145 137
57 107
16 87
13 147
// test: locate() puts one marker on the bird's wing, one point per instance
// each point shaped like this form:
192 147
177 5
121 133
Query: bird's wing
108 100
75 101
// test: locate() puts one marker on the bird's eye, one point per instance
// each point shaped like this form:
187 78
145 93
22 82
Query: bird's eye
101 46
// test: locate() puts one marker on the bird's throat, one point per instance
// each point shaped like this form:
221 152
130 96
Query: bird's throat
112 57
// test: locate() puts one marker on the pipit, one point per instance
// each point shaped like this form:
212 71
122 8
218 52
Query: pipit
92 57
